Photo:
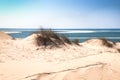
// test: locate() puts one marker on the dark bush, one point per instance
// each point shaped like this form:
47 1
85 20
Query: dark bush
76 41
47 37
118 50
65 39
105 42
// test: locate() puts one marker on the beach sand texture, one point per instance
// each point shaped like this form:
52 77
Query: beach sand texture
21 59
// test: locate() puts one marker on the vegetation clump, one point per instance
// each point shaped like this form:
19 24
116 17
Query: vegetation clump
47 37
76 41
101 42
105 42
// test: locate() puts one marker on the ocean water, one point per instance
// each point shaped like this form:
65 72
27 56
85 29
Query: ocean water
81 34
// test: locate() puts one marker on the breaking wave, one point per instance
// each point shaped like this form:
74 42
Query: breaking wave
12 32
77 31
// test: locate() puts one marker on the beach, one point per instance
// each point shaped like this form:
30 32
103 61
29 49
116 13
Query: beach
59 39
94 59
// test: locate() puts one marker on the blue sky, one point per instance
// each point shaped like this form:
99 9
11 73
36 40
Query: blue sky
60 13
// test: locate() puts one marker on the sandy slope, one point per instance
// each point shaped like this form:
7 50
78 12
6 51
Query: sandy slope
21 70
21 59
4 36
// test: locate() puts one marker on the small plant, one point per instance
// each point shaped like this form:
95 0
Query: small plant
47 37
105 42
118 50
76 41
65 39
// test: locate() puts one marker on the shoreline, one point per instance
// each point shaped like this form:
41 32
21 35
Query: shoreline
115 37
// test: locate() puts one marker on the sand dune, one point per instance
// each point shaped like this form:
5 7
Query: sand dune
104 65
4 36
21 59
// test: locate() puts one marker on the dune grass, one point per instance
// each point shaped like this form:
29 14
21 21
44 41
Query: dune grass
76 41
105 42
47 37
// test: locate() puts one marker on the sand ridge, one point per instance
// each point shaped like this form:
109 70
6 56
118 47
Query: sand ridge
21 59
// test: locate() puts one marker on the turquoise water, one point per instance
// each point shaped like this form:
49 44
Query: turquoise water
81 34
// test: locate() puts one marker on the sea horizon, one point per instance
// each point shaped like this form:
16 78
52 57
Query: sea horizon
54 28
80 34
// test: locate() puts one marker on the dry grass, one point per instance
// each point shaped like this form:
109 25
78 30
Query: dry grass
105 42
76 41
47 37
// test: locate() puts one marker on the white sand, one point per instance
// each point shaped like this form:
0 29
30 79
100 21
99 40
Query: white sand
21 59
4 36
